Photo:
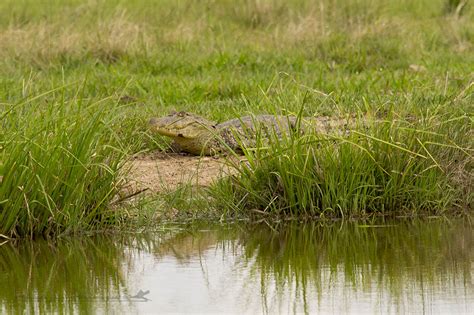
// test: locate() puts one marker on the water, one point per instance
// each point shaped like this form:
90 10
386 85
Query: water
402 267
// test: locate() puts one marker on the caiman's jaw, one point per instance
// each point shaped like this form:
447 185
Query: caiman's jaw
191 131
165 132
188 132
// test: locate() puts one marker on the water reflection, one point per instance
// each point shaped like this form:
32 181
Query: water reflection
403 268
398 267
66 276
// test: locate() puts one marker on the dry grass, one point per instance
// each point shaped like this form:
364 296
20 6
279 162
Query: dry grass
184 32
357 35
45 40
260 24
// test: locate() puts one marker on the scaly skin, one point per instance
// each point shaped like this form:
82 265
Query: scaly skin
197 135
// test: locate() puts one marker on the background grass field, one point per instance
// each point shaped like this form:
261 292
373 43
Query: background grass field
220 58
85 76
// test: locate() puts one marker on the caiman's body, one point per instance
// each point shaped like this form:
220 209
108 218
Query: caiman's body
197 135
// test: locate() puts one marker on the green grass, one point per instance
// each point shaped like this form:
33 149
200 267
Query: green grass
220 59
60 170
388 167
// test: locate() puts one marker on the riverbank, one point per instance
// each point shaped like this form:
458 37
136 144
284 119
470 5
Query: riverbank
79 83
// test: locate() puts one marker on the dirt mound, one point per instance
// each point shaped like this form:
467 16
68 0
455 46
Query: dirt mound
166 171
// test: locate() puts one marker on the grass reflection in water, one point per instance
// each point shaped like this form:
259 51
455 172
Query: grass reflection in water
67 276
396 266
405 260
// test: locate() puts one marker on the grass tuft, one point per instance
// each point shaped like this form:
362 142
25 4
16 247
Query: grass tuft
59 170
392 167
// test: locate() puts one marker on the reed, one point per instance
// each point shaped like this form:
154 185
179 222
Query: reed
60 170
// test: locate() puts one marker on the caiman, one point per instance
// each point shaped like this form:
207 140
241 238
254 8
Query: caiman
197 135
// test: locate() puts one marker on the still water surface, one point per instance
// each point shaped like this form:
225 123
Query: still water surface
401 267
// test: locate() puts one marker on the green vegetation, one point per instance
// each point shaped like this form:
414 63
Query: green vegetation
60 172
392 167
98 70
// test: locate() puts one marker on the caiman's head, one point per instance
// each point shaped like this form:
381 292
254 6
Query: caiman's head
190 132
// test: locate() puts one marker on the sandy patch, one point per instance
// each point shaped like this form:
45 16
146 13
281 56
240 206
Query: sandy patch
160 171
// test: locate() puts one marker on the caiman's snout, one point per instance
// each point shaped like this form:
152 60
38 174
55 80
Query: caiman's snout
160 128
